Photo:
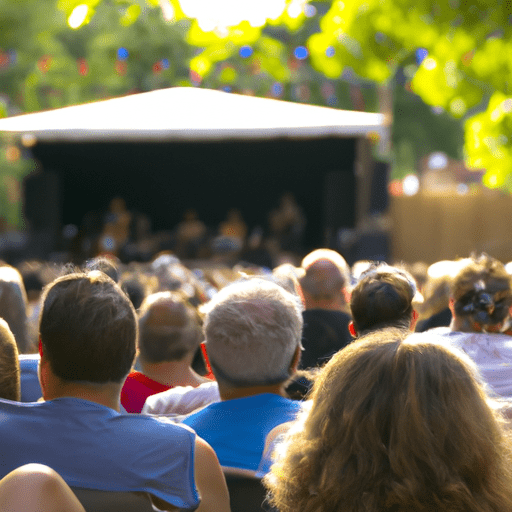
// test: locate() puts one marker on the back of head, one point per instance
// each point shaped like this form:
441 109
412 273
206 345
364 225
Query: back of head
88 328
326 274
253 328
286 276
135 285
107 265
382 298
9 364
13 306
482 291
397 423
33 282
168 328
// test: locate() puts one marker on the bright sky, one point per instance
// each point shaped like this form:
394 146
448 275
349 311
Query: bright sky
227 13
215 14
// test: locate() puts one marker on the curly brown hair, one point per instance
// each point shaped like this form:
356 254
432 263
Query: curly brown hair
482 291
397 423
9 365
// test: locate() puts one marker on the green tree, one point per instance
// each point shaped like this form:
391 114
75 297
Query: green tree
455 55
321 52
456 52
120 49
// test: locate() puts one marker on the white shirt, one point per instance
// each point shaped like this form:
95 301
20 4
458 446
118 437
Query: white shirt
182 400
491 352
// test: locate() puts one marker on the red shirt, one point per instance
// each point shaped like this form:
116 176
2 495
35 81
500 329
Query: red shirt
137 388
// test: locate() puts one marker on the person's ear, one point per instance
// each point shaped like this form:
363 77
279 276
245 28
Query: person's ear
352 329
42 368
451 305
414 319
295 360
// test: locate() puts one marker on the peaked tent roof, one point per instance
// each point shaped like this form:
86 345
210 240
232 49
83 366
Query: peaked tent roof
186 113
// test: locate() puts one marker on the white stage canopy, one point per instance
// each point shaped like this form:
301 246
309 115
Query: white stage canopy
191 114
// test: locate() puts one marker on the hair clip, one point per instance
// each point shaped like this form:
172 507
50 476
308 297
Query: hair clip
480 285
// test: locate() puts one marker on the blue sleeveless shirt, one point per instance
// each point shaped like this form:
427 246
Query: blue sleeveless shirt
94 447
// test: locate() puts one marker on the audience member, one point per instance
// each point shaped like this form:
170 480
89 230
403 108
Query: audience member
108 265
136 286
287 276
481 297
359 268
252 331
33 282
258 250
169 336
395 425
13 306
35 274
183 400
88 331
383 297
325 287
29 378
9 365
435 310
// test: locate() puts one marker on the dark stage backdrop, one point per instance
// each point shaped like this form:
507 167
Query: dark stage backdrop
163 179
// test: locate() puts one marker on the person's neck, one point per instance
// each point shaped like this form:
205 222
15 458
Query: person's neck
330 305
468 325
172 373
227 392
460 325
107 394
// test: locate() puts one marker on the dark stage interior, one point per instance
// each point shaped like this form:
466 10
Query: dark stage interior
163 179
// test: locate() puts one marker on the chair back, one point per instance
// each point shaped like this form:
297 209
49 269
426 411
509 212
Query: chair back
246 492
113 501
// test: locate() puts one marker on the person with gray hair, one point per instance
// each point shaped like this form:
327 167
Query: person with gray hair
253 332
169 336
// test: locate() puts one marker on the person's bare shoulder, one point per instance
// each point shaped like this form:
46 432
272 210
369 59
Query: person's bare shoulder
210 480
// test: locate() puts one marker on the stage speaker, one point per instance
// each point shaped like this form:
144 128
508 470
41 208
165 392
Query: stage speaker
42 211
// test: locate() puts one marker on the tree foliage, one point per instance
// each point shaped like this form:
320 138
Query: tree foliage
458 55
454 54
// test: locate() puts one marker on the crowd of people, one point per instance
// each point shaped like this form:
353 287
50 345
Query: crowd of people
366 388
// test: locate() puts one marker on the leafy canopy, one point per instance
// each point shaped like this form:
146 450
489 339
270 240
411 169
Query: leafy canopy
455 54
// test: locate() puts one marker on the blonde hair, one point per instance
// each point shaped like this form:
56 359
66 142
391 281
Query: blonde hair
13 306
9 364
396 424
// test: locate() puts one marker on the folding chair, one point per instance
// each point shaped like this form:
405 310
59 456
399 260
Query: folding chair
113 501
